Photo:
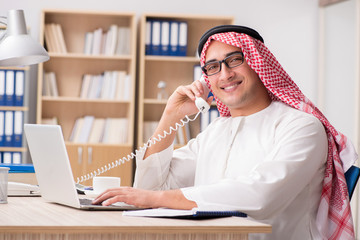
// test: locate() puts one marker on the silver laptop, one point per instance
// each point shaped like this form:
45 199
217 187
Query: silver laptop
53 170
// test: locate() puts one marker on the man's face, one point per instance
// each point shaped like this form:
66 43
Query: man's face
239 88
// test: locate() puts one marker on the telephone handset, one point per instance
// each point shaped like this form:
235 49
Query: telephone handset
200 103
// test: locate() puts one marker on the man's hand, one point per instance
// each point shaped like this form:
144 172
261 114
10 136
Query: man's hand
145 198
182 101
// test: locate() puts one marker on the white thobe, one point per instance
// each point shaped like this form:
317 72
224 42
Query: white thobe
269 165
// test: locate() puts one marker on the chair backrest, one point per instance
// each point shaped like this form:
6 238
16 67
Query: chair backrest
352 177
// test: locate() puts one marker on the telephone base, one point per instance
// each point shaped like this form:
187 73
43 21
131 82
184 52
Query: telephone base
16 189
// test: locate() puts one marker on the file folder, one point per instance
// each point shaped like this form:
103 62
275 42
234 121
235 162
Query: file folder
7 158
165 38
183 38
19 88
174 38
9 88
2 87
9 130
155 37
16 158
194 213
148 37
2 128
20 168
18 128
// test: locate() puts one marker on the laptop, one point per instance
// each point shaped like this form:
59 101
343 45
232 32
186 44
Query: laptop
53 170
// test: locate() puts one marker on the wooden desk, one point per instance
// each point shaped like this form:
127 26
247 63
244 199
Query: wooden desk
34 218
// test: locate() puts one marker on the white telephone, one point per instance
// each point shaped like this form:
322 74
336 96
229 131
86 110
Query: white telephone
200 103
22 189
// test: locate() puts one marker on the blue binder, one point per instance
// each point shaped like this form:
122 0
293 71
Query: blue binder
19 88
2 128
165 38
148 36
174 38
2 87
19 168
16 158
9 128
18 128
183 32
9 87
155 37
7 158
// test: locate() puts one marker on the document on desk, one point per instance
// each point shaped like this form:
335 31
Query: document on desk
195 213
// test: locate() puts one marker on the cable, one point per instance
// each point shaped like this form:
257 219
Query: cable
132 155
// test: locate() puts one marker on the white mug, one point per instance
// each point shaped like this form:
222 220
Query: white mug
100 184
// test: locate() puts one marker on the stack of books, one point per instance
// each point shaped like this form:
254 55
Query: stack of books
114 41
166 37
111 85
89 129
50 85
54 38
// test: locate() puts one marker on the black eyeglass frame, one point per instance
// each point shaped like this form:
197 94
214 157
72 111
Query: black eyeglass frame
203 68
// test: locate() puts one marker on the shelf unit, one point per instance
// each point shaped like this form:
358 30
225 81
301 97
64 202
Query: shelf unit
174 70
68 106
24 109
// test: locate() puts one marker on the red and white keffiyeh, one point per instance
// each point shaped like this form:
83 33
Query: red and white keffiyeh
334 218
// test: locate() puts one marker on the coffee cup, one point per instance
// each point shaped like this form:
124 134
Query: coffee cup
102 183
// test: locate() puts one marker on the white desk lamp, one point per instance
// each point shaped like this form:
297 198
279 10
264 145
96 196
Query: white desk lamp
17 48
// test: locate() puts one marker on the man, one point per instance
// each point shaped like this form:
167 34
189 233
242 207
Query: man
271 154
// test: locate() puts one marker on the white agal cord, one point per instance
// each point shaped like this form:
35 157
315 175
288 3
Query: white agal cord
132 155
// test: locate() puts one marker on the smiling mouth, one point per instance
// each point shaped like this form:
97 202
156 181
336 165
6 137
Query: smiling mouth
232 86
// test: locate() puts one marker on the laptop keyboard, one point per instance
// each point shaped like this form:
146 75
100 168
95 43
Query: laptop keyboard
86 201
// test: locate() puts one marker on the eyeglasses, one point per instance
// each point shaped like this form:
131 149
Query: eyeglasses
231 61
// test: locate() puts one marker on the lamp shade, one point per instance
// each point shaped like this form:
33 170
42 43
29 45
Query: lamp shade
17 47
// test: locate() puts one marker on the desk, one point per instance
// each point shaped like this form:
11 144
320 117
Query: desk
34 218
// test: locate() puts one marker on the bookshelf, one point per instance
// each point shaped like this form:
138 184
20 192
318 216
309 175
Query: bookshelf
69 67
13 152
174 70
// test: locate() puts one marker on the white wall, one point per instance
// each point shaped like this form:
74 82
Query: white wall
340 88
339 68
288 27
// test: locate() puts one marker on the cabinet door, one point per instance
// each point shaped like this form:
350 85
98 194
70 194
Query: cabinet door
76 156
86 159
98 157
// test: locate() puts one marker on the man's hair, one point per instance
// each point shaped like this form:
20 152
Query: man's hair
227 28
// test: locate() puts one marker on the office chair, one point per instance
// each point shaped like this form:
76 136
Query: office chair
351 177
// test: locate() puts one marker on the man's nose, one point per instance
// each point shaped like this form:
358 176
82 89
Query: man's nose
226 72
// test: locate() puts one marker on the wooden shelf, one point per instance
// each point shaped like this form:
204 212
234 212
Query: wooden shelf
13 149
174 70
69 69
84 56
172 59
13 108
154 101
81 100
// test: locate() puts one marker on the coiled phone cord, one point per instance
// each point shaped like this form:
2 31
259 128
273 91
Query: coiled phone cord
132 155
